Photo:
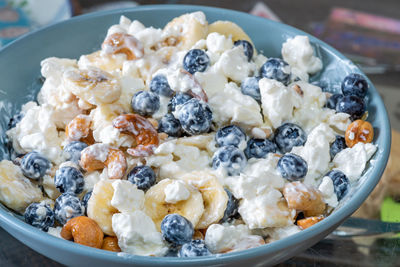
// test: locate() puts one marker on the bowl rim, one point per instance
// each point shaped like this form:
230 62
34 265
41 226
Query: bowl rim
7 217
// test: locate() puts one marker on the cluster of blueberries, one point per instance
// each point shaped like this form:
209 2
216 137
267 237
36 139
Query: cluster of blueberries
70 182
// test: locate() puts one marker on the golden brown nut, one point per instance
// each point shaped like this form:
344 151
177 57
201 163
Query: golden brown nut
359 131
115 161
198 235
308 222
84 231
110 243
141 129
127 44
78 128
304 198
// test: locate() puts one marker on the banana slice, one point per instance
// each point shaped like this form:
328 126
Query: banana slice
184 31
99 206
214 196
229 28
102 61
93 85
157 208
17 191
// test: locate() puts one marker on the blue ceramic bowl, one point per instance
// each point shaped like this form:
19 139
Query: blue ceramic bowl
20 68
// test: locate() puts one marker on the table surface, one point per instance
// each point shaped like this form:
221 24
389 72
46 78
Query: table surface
328 252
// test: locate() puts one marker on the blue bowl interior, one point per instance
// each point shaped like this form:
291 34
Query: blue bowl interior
20 76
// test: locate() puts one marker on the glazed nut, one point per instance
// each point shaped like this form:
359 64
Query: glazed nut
146 136
304 198
308 222
359 131
84 231
122 43
198 235
115 160
110 243
78 128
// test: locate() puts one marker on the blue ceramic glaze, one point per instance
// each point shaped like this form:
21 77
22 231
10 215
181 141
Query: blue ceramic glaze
20 67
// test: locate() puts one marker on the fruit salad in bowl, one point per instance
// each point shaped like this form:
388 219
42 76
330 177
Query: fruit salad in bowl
186 141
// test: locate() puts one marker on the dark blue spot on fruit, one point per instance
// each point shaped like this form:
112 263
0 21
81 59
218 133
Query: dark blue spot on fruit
332 101
34 165
176 229
14 120
231 211
72 151
170 125
276 69
145 103
292 167
69 179
85 200
195 248
230 135
355 84
338 145
289 135
195 117
159 85
229 158
39 215
247 48
196 60
352 105
259 148
340 183
142 176
66 207
251 88
178 99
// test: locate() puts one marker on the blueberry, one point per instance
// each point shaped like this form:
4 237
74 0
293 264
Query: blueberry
247 47
69 179
195 117
230 158
72 151
170 125
340 183
176 229
231 210
289 135
159 85
67 206
145 103
338 145
34 165
194 248
355 84
178 99
14 120
251 88
276 69
85 200
142 176
259 148
231 135
332 101
352 105
196 60
292 167
39 215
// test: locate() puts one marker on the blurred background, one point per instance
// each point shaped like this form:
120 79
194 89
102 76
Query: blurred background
367 31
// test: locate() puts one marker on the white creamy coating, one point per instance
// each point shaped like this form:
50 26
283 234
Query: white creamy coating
352 161
328 192
176 191
137 234
127 197
316 152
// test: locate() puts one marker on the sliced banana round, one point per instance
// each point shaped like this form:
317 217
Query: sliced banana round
214 196
184 31
17 191
102 61
157 208
228 28
99 206
93 85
